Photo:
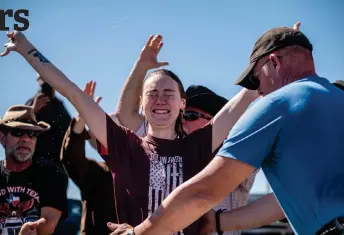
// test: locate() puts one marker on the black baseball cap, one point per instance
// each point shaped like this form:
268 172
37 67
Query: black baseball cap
339 84
203 98
272 40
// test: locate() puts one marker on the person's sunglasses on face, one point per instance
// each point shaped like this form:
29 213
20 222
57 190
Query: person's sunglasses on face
19 132
193 116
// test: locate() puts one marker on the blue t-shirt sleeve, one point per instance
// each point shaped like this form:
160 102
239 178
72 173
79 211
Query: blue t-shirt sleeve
253 136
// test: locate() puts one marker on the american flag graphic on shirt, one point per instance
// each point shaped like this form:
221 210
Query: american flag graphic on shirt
165 174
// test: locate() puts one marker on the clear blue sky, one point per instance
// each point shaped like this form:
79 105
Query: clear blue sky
206 42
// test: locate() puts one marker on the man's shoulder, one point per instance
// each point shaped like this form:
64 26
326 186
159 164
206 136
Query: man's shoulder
303 91
304 86
267 104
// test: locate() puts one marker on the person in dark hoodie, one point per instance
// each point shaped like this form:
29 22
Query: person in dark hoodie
50 109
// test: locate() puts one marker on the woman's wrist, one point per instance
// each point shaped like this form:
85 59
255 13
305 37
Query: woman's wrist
24 48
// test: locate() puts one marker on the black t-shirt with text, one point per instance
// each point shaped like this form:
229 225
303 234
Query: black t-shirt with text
23 194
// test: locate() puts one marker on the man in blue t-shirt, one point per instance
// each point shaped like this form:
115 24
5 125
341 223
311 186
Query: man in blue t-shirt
294 133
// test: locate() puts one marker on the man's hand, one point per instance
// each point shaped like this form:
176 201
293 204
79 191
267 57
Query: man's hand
30 227
208 225
149 55
16 41
119 229
89 89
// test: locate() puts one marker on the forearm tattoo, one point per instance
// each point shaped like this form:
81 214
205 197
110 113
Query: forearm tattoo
36 53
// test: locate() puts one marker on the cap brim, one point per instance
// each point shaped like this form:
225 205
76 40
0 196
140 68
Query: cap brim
247 80
40 127
339 84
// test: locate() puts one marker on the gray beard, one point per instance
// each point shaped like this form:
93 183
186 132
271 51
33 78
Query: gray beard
18 159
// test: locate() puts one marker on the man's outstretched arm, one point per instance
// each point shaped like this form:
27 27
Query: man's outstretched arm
196 196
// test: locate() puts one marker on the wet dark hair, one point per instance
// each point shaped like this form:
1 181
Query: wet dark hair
179 122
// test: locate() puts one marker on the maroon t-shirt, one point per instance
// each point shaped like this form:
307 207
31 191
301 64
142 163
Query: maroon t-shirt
147 169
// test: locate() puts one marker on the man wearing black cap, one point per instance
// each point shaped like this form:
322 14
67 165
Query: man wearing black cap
202 104
28 190
294 133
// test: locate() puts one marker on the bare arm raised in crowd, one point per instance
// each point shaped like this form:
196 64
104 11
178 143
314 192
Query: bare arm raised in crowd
127 111
73 154
81 101
226 118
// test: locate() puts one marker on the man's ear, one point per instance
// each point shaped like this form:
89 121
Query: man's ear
276 63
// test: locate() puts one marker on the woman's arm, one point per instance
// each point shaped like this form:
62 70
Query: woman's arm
81 101
127 111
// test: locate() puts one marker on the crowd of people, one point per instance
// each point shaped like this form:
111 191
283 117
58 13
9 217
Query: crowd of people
178 161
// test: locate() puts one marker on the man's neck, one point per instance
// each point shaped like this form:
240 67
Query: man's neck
306 73
15 166
305 68
298 75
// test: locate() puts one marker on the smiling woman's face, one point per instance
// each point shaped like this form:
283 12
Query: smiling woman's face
161 101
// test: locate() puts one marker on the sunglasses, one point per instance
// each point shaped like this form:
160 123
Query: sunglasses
20 133
255 79
193 116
